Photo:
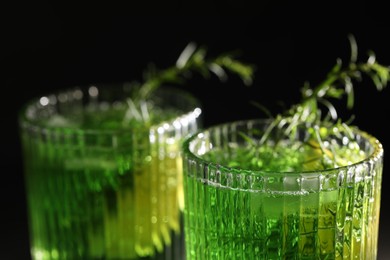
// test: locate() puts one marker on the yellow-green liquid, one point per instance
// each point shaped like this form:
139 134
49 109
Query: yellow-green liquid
244 216
102 196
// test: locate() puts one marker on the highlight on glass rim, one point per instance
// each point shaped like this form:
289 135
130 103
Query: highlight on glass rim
102 163
302 184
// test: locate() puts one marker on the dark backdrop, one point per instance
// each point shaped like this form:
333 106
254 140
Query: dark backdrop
50 47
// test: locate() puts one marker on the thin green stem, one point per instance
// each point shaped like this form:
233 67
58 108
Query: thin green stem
308 115
191 60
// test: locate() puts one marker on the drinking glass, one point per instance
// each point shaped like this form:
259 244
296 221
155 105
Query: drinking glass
234 210
103 175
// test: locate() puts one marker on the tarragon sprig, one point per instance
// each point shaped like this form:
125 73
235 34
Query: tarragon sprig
192 59
308 114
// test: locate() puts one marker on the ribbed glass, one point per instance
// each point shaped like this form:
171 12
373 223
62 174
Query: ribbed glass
101 185
236 213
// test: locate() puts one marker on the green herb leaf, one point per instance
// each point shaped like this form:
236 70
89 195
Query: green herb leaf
338 83
192 59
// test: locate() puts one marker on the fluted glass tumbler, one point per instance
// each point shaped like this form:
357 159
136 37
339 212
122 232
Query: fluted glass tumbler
236 210
103 175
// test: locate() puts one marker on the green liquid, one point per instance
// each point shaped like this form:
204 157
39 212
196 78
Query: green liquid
241 216
101 196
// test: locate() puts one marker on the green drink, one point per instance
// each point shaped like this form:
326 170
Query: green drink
101 185
287 203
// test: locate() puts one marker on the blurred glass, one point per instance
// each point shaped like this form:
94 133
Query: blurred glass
101 182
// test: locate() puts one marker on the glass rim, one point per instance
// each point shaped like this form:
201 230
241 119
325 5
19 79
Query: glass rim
376 154
25 122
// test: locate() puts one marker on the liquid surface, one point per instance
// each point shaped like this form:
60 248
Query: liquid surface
286 156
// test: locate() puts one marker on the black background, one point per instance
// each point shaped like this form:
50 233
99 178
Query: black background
50 47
